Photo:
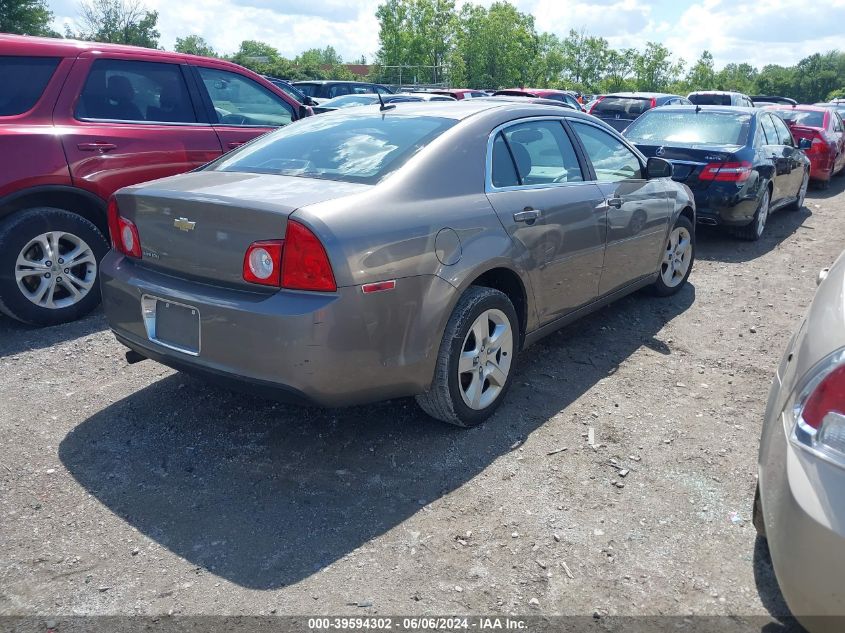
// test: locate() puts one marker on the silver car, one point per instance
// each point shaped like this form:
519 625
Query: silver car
411 249
800 501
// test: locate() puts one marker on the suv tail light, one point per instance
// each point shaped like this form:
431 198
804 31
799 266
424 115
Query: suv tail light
727 172
653 103
817 413
124 233
299 262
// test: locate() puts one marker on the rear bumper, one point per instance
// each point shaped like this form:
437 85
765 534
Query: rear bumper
331 349
821 168
726 209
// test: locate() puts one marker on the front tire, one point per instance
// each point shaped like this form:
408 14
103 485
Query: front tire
754 231
476 359
678 257
49 264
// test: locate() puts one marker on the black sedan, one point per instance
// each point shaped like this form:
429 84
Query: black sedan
740 163
619 109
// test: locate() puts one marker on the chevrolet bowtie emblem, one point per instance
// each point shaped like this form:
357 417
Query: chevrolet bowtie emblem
184 224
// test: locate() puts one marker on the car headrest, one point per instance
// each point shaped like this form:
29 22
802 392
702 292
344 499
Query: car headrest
526 136
120 89
522 158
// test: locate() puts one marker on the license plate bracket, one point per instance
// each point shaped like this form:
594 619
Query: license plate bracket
172 324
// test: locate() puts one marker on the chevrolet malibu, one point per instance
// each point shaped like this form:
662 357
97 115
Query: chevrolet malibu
409 249
800 502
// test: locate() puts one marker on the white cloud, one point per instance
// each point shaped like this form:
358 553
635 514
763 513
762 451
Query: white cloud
776 31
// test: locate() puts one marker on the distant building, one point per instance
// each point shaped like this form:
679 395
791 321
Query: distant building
360 70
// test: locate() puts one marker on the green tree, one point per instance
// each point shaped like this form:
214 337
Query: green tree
194 45
739 77
585 60
702 74
117 21
266 60
550 62
619 66
654 69
327 56
26 17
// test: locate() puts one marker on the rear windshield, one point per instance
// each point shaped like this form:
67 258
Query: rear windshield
352 148
690 127
627 107
710 99
801 117
23 80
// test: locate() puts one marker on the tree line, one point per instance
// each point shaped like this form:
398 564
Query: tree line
431 41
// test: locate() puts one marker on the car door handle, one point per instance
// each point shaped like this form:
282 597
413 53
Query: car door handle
235 144
97 146
616 203
527 215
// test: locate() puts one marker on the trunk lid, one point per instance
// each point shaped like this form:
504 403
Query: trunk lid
689 160
198 226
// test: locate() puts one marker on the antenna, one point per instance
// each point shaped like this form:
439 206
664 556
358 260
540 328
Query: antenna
384 106
697 108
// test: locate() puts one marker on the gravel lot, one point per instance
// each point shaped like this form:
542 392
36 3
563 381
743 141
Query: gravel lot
136 490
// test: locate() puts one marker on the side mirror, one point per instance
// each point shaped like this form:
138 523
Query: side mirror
805 143
304 111
658 168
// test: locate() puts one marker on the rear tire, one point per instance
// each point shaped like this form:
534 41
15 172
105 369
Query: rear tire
476 360
676 266
754 231
802 193
37 285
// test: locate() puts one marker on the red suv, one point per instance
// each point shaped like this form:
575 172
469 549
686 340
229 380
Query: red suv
79 120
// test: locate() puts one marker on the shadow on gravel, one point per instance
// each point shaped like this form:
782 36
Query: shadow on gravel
719 245
265 494
15 337
769 592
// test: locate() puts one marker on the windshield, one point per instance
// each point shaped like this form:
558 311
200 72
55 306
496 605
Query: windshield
710 99
626 107
352 148
690 127
809 118
347 101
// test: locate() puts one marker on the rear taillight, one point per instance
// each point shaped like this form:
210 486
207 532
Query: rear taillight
299 262
727 172
598 101
305 264
653 103
263 263
817 412
124 233
819 146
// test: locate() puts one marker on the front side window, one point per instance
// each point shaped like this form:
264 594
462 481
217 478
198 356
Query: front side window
543 153
354 148
612 160
238 100
29 76
125 90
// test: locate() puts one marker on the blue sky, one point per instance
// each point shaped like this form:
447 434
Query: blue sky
758 32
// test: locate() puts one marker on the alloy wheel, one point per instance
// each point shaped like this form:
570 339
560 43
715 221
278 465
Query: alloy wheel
56 270
763 213
677 258
485 360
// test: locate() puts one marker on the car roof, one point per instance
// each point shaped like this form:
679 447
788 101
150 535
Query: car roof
801 107
706 108
57 47
641 95
466 108
717 92
330 81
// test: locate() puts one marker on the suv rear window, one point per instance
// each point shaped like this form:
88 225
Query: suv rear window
28 76
689 127
626 106
354 148
710 99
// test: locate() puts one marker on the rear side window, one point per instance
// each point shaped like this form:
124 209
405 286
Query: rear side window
543 153
28 76
769 130
707 128
239 101
353 148
784 135
309 90
504 172
710 99
121 90
626 107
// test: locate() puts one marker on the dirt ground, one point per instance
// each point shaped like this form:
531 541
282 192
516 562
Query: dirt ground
136 490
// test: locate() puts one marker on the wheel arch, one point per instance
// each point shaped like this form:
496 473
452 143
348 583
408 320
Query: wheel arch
510 283
71 199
